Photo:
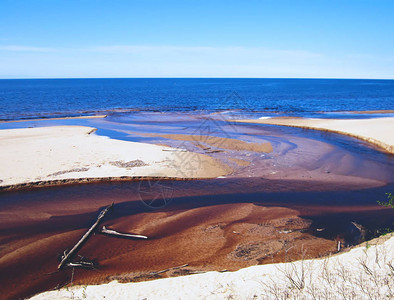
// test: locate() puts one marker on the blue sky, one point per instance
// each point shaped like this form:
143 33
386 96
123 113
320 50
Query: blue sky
148 38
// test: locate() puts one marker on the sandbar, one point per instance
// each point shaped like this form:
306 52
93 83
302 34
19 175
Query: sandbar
45 155
205 141
376 131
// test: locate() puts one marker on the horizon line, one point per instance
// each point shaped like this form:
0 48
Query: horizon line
317 78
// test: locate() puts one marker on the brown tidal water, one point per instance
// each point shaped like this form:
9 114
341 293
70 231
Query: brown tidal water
36 226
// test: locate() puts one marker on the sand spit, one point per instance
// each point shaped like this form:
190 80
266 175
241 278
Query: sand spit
51 119
39 156
387 111
377 131
364 272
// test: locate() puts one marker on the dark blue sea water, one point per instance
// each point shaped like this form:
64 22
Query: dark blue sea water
32 98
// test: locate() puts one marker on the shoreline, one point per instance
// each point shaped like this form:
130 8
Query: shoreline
89 180
34 119
377 132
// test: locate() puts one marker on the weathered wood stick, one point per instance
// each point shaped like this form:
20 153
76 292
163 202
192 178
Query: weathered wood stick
115 233
82 264
67 256
166 270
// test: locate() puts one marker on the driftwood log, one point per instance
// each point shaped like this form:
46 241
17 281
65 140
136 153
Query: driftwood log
69 255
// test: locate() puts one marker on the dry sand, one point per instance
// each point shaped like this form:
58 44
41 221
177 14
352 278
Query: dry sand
53 154
362 273
377 131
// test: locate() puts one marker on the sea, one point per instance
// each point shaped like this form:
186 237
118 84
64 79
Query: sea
46 98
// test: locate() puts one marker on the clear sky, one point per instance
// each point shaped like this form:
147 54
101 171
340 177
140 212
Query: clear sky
200 38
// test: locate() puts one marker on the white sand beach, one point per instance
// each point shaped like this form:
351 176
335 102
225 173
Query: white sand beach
377 131
47 154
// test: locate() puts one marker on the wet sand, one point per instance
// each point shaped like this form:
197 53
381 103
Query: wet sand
209 142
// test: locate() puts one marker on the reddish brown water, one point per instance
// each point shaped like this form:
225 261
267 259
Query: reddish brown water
38 225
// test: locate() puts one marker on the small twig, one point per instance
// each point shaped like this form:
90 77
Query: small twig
104 230
81 264
166 270
72 276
